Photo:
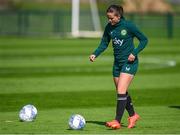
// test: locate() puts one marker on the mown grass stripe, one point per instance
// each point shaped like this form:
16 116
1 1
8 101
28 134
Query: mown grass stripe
87 99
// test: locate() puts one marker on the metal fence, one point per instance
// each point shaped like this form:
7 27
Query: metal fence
58 23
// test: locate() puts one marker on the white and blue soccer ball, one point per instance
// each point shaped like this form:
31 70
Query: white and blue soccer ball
28 113
76 122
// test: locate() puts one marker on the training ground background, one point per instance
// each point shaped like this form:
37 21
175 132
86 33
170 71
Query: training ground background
56 76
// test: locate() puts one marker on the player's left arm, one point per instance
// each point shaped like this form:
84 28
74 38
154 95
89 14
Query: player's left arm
140 36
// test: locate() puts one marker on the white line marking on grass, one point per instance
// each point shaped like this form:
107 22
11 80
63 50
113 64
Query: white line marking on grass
156 63
150 62
146 63
9 121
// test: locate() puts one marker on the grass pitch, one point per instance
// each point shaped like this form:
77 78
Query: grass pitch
56 76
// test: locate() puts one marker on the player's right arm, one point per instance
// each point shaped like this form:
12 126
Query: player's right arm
92 57
102 46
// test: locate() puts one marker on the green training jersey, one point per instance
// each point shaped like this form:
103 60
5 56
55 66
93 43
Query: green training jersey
122 35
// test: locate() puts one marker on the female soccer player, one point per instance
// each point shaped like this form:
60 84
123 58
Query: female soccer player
122 33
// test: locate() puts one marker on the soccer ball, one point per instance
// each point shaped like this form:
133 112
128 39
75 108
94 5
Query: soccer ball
76 122
28 113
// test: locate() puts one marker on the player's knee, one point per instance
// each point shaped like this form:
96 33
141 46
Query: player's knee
121 90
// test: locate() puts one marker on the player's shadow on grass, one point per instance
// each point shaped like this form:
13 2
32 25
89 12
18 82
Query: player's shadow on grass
174 106
96 122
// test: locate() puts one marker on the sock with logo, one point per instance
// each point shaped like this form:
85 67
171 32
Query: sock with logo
121 105
129 105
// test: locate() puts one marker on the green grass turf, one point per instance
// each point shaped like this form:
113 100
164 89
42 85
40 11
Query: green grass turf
56 76
156 119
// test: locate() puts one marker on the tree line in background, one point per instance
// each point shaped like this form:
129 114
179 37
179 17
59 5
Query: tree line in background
129 5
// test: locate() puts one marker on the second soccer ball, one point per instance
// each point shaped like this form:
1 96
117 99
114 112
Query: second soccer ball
76 122
28 113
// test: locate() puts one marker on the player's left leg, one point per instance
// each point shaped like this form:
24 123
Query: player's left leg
131 68
124 82
132 120
129 105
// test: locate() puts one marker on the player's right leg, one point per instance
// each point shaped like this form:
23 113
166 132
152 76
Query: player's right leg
116 72
113 124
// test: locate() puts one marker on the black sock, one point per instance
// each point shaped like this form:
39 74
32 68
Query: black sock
121 105
129 105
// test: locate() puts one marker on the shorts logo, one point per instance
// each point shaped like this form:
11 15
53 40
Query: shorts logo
128 68
123 32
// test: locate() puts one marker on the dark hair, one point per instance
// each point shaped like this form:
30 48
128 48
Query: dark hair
118 10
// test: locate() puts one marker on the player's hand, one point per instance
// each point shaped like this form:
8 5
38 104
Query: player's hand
92 57
131 57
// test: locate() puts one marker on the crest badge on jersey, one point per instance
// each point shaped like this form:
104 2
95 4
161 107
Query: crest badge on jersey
123 32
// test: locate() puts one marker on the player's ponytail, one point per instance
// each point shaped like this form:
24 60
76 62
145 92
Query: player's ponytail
118 10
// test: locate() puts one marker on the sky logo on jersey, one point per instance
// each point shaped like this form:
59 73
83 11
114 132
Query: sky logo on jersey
117 41
123 32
